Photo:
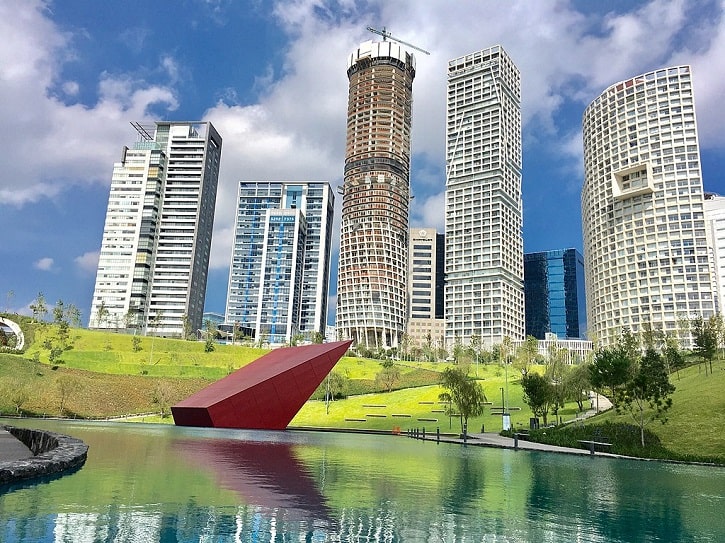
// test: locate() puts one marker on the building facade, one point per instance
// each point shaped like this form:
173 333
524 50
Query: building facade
484 243
152 270
554 294
426 287
715 223
646 256
373 267
280 266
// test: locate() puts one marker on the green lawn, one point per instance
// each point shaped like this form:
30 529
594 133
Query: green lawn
696 421
114 380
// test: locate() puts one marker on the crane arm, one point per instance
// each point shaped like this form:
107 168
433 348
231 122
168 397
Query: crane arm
385 34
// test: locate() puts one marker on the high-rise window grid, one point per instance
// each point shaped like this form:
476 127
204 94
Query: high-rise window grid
159 219
484 245
279 271
373 264
645 248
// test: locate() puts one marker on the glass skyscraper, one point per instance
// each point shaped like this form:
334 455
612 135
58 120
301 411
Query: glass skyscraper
280 269
554 294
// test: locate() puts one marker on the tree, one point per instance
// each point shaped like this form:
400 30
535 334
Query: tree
538 394
673 357
18 394
210 333
153 324
556 371
136 343
39 308
73 315
59 312
67 386
186 325
465 393
649 387
102 314
577 384
705 336
652 338
162 397
611 369
337 383
317 337
387 377
526 354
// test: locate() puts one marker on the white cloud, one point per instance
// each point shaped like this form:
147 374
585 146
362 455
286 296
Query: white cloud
429 212
62 145
88 262
44 264
296 131
707 60
71 88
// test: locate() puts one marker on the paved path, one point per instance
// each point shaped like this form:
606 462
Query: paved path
12 449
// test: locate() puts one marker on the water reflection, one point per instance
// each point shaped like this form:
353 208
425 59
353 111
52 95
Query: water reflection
165 484
269 475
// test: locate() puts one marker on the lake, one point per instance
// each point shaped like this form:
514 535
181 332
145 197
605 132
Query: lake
159 483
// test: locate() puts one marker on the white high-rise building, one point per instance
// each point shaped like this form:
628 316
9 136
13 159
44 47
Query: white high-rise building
280 270
373 267
646 255
484 220
715 222
152 269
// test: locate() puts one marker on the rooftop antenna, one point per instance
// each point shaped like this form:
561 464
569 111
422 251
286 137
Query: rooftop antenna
385 34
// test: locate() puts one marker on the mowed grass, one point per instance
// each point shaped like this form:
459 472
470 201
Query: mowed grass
113 353
696 422
116 381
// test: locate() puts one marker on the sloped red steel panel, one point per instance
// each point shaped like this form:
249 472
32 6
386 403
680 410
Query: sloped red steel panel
265 394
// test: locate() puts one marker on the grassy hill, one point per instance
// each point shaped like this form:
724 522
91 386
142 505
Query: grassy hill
112 375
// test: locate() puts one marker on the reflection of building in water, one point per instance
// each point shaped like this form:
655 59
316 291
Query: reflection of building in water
110 525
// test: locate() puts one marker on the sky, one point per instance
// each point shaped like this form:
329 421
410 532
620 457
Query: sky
271 77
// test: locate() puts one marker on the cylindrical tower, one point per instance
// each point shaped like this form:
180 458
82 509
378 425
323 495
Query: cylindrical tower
646 258
372 273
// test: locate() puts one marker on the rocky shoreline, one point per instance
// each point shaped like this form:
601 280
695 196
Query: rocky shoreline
52 453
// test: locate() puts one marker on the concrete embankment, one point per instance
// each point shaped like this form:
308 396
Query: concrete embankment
27 453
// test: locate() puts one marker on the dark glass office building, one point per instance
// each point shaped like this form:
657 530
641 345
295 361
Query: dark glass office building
554 294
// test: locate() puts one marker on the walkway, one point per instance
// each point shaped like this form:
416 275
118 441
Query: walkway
11 448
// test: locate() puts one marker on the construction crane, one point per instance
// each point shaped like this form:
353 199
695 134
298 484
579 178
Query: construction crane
385 34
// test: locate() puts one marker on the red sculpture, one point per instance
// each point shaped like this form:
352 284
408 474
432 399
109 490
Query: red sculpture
265 394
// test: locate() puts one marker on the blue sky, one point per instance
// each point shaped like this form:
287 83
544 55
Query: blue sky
271 77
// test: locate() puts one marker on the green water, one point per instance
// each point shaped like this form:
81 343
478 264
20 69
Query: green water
151 483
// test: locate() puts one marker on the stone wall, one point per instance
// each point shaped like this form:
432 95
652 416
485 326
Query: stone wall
53 452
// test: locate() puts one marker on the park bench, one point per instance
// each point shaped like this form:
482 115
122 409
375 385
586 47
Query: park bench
592 445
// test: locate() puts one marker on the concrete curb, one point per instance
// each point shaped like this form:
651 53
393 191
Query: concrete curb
53 453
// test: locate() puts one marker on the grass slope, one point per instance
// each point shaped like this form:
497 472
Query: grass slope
114 380
695 423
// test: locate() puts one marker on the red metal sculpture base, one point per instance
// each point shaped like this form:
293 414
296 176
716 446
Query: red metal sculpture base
265 394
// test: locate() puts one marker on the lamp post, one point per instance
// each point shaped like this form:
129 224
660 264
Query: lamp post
503 410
